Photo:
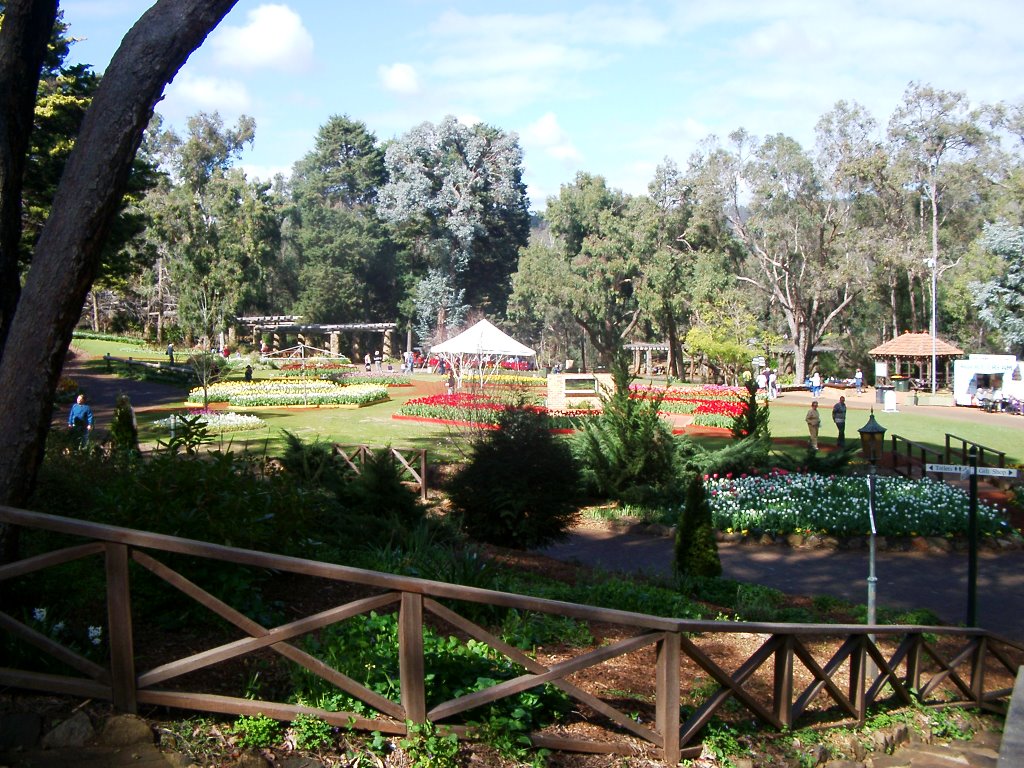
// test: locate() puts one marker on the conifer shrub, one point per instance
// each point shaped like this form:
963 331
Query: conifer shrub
696 552
519 487
124 432
628 452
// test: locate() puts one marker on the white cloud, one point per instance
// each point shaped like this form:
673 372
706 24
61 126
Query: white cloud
189 94
399 78
547 137
273 37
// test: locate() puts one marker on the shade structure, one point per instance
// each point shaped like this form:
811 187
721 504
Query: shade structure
917 348
482 347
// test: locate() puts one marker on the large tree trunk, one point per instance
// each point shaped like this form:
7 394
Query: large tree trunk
68 251
23 38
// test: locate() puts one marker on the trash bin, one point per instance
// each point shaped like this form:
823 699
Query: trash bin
901 385
880 393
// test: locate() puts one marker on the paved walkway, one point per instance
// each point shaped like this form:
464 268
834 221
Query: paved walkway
905 579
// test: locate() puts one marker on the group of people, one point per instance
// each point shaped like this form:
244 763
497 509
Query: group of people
768 382
813 419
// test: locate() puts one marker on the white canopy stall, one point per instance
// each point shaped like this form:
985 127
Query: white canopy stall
482 347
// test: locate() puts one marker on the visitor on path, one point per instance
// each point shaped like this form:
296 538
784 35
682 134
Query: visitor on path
839 417
377 360
366 361
813 419
451 382
773 384
858 380
816 384
80 421
248 373
762 382
170 353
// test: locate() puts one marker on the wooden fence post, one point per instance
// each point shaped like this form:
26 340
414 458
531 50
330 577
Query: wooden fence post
410 657
667 695
119 629
783 685
423 474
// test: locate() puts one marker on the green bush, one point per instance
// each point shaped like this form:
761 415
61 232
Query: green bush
696 553
256 732
124 432
627 452
519 486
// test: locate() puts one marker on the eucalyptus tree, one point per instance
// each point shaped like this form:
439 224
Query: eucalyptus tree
219 230
941 140
1001 300
457 202
594 270
793 218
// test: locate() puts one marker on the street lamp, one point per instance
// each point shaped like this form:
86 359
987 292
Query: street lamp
872 437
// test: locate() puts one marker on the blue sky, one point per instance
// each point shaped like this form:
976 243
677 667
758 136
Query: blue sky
611 89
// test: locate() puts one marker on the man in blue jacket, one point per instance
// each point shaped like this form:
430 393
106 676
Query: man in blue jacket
80 421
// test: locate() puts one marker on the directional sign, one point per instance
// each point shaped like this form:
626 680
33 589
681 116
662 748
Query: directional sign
954 469
997 472
963 469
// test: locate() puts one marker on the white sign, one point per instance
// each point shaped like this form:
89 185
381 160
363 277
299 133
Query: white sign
758 361
963 469
997 472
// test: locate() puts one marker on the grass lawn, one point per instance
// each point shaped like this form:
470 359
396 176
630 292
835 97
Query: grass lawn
373 425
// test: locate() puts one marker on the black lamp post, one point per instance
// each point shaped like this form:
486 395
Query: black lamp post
872 437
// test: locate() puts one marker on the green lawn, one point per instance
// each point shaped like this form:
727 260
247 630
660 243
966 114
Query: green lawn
373 425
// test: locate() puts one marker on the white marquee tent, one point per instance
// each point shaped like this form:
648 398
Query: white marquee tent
482 347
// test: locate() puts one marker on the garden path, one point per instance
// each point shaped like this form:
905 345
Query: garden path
906 580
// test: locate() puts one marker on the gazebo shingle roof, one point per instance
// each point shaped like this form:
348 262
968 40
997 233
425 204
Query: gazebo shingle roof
915 345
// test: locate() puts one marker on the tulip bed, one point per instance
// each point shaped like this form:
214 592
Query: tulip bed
477 410
782 503
711 405
280 393
217 421
382 379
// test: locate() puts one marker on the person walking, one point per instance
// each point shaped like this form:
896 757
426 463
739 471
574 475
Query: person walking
816 384
858 380
839 417
170 353
813 419
80 421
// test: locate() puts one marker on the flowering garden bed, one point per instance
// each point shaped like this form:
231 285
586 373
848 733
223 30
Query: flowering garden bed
476 409
784 503
217 421
281 393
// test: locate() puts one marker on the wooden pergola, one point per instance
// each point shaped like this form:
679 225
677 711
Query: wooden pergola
915 350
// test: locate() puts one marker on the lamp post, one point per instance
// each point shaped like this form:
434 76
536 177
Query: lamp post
872 436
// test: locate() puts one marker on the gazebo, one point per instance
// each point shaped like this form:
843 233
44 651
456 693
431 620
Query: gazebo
912 353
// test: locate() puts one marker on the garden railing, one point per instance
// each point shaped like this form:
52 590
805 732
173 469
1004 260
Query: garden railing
414 465
909 457
960 454
793 673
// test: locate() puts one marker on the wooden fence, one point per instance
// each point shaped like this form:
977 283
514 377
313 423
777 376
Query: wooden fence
794 673
909 458
414 464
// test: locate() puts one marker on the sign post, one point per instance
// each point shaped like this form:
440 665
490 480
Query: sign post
971 471
972 540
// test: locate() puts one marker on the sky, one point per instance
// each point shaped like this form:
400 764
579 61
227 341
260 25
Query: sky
609 89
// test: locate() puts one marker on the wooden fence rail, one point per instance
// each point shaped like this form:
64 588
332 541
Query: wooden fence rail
414 464
960 454
795 673
909 457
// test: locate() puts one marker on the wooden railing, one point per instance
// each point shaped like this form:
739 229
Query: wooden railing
795 672
909 457
960 454
414 464
183 371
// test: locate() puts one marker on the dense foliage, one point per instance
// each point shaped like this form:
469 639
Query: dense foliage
519 486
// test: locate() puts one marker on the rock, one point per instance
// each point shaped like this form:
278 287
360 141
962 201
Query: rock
20 730
939 544
299 762
73 732
125 730
794 540
919 544
250 759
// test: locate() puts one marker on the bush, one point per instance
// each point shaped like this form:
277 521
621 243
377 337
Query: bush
696 553
628 452
124 432
519 485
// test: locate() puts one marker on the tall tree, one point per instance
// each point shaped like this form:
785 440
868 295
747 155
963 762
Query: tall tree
347 262
219 230
795 227
69 249
595 268
455 196
1001 300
